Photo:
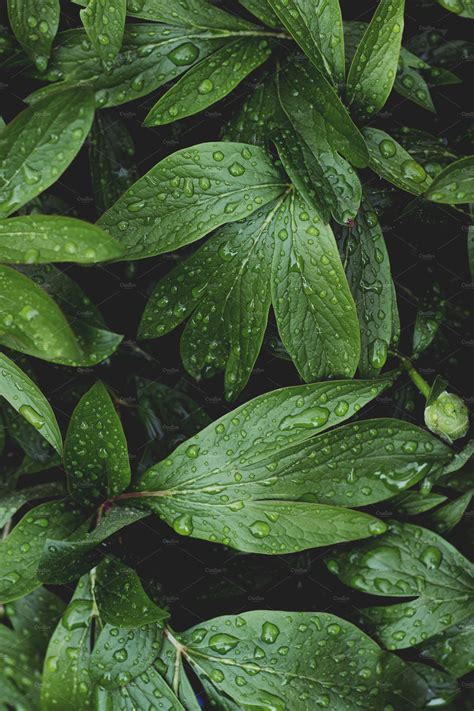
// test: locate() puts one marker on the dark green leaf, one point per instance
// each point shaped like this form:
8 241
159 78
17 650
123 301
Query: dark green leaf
20 675
252 121
429 317
201 188
455 184
210 80
34 618
40 143
105 25
12 501
452 649
21 550
141 692
171 667
448 516
35 23
391 161
95 449
37 239
464 8
373 68
261 9
412 503
24 395
410 83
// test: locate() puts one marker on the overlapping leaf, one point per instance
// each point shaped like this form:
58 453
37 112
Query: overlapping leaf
35 23
105 25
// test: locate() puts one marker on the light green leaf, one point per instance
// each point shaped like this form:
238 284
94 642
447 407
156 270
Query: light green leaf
316 25
409 561
40 143
20 551
190 193
121 599
391 161
464 8
368 272
296 660
315 312
37 239
25 396
210 80
105 25
35 23
452 649
374 66
455 184
66 681
448 516
32 322
95 449
63 560
12 501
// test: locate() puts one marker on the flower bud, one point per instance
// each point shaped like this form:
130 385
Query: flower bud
447 416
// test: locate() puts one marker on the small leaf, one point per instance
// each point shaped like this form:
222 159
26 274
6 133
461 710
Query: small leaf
373 68
40 143
200 188
430 314
25 396
37 239
210 80
105 25
35 23
451 649
448 516
410 83
95 450
412 503
455 184
392 162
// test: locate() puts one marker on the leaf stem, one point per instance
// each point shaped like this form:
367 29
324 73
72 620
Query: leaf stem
415 376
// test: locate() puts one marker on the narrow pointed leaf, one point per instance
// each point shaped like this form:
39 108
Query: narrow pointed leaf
448 516
105 25
412 503
410 83
35 23
262 10
455 184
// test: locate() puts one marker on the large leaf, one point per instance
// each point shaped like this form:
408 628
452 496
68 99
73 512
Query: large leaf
25 396
317 28
37 239
296 660
410 561
105 25
95 450
189 193
40 143
368 273
455 184
210 80
35 23
210 490
374 66
21 550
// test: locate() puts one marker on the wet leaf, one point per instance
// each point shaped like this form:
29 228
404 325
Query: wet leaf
455 184
13 501
105 25
451 649
261 9
448 516
34 618
35 23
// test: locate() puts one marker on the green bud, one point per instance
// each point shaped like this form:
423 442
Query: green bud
447 416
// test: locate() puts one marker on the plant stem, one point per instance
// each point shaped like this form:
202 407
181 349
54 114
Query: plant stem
416 378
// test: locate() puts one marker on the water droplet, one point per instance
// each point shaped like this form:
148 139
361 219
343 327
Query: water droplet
260 529
223 643
185 54
31 416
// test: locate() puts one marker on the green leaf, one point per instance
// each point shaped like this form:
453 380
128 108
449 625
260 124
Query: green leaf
35 23
95 449
409 561
40 143
105 25
32 322
25 396
448 516
37 239
170 665
430 314
391 161
295 660
464 8
63 560
374 66
226 501
260 9
200 188
455 184
313 306
251 122
317 28
20 675
34 618
66 681
111 159
368 273
20 551
141 692
452 648
210 80
410 83
12 501
412 503
121 599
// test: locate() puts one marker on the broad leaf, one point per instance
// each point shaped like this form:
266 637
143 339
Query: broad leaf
391 161
455 184
25 396
12 501
40 143
373 68
409 561
452 649
95 449
317 28
35 23
21 550
105 25
200 188
210 80
37 239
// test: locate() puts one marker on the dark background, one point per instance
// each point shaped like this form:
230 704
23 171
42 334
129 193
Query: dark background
425 243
